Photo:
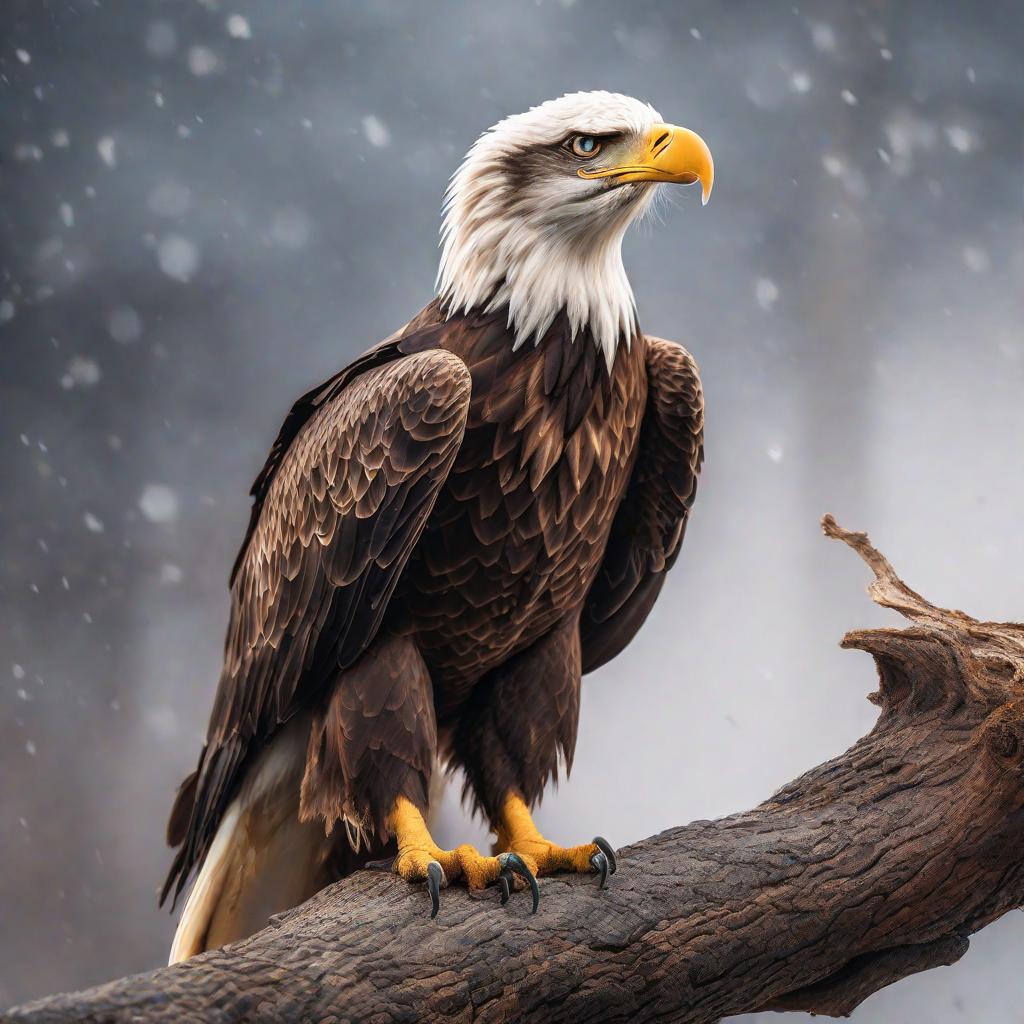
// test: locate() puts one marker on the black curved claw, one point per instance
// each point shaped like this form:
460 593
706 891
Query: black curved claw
505 881
435 879
606 848
599 862
515 864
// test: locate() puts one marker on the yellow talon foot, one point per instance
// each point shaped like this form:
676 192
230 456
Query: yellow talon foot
420 859
517 833
462 862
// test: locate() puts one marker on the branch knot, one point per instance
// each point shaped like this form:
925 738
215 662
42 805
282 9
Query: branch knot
1003 737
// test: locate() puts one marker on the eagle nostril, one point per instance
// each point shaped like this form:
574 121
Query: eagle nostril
659 140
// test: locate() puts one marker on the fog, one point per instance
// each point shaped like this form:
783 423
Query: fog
208 208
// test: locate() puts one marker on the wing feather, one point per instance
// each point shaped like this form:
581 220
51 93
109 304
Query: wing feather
345 495
649 526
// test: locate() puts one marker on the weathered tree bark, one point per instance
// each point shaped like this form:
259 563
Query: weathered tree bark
869 868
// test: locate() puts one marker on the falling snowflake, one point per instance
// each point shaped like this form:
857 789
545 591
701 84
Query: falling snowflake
852 179
7 310
178 257
159 504
800 82
766 292
60 139
961 139
908 133
24 56
848 98
376 131
238 27
30 748
776 453
170 574
92 523
833 165
976 259
823 36
107 149
81 372
67 215
18 671
124 324
695 32
202 61
27 151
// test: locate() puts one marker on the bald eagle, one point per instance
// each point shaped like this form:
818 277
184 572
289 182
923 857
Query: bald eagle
447 535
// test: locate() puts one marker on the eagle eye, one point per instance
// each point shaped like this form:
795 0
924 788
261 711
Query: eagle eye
583 145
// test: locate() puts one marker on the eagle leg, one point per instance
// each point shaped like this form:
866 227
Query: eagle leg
518 834
420 859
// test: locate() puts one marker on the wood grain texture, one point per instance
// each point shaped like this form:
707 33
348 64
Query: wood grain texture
866 869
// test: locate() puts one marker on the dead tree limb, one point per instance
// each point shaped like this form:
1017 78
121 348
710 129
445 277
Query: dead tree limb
871 867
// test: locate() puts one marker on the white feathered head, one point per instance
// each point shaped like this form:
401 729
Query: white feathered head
535 215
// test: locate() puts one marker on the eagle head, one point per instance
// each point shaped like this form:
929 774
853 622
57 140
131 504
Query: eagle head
535 215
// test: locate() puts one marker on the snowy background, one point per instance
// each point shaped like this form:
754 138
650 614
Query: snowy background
209 207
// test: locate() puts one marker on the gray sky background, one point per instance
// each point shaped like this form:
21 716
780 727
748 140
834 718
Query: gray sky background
208 207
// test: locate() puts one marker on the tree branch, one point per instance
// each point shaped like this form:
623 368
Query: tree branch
868 868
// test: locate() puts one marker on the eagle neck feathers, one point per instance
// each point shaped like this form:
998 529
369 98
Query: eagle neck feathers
493 258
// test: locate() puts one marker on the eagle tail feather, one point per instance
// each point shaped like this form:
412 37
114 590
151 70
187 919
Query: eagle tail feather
262 860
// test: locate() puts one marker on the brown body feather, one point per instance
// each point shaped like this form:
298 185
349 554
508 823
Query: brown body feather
446 535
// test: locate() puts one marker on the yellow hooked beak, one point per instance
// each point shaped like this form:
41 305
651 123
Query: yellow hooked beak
667 153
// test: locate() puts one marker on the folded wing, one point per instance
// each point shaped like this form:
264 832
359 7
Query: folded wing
342 501
649 525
